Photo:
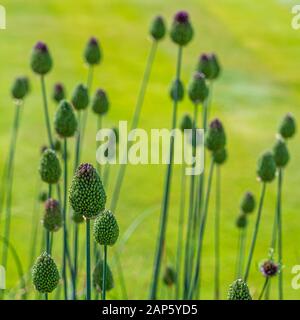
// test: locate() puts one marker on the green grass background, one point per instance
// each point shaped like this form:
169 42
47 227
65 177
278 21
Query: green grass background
259 52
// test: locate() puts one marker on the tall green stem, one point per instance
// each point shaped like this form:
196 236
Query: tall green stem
217 233
64 262
88 261
188 244
279 218
180 231
104 274
241 252
264 288
165 204
196 277
135 121
261 201
46 112
99 126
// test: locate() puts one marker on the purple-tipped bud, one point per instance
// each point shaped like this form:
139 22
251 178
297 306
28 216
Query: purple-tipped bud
269 268
41 61
215 136
92 53
58 92
197 89
181 31
158 28
209 65
181 17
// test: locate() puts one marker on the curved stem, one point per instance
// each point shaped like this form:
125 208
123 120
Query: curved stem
201 234
88 261
135 120
165 204
99 126
261 201
104 274
264 288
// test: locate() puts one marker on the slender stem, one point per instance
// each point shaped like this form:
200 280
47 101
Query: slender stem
180 231
76 239
264 288
165 204
9 181
46 112
88 261
217 233
47 231
261 201
135 121
243 233
104 274
201 233
99 126
77 143
188 243
64 262
279 220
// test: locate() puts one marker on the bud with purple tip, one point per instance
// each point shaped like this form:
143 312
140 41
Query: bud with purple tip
181 29
215 137
100 102
197 88
41 61
269 268
209 65
58 92
158 28
92 52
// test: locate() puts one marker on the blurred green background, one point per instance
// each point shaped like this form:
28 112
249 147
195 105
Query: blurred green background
259 53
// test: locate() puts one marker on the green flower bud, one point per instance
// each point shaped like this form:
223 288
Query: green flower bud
177 90
220 156
215 137
41 61
197 88
241 221
209 65
92 53
239 290
20 88
65 122
248 203
186 122
45 274
58 92
57 145
181 30
100 103
169 277
77 217
80 97
106 229
287 127
98 277
50 169
158 28
43 196
52 217
281 153
87 196
266 167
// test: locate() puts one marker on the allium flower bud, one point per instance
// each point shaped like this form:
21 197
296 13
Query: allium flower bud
287 127
58 92
77 217
266 167
87 196
181 30
281 153
43 196
92 53
158 28
106 229
50 169
80 97
215 137
57 145
220 156
65 122
100 103
248 203
45 274
241 221
98 277
41 61
169 277
52 217
269 268
20 88
239 290
209 65
186 122
177 90
197 88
